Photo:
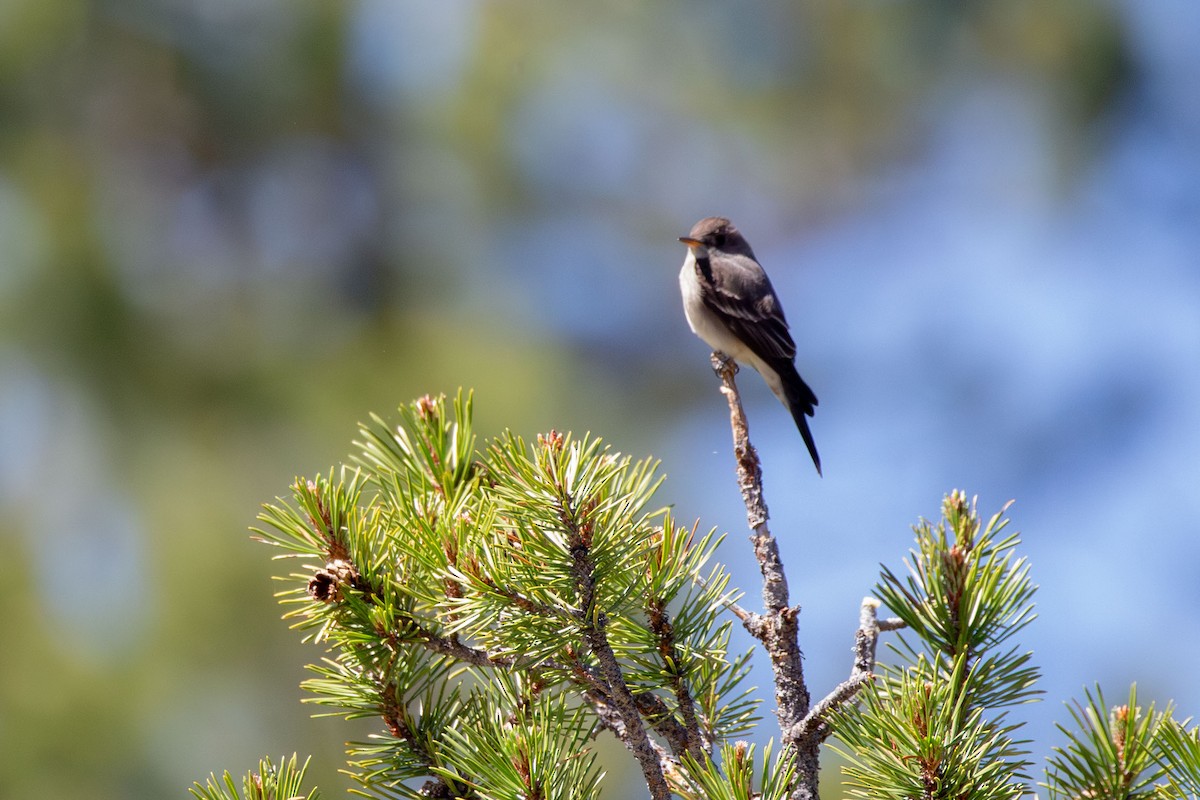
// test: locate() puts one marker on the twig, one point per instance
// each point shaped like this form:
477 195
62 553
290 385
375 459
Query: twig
817 720
749 471
747 618
777 627
865 640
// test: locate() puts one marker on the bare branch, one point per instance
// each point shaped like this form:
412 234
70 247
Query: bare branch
817 720
747 618
749 471
865 640
777 627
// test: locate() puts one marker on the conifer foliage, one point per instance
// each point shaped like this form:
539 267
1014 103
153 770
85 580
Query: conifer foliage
933 724
499 607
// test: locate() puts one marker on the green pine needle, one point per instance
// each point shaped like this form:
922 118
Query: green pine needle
271 781
1113 752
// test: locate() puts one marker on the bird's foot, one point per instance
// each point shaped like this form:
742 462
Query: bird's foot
723 364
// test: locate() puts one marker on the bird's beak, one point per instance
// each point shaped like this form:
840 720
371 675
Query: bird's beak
690 242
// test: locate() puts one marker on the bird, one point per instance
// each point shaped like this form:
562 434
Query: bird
730 304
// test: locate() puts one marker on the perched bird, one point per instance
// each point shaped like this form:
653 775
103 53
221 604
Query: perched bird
731 305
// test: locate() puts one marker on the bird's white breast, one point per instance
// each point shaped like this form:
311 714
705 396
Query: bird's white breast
703 322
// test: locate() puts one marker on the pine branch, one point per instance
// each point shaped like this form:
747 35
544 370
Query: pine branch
663 722
1112 752
705 781
612 720
1179 754
593 623
777 627
498 611
936 725
660 625
536 563
519 740
271 781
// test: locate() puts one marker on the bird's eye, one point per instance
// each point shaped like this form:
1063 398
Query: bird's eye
719 239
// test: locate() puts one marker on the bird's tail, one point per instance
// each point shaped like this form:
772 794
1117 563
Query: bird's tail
801 402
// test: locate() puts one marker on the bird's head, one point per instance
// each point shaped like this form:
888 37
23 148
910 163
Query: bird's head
716 233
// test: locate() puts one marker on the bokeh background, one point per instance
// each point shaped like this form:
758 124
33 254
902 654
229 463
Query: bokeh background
230 229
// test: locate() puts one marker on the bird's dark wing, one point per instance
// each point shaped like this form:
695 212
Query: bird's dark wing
729 289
